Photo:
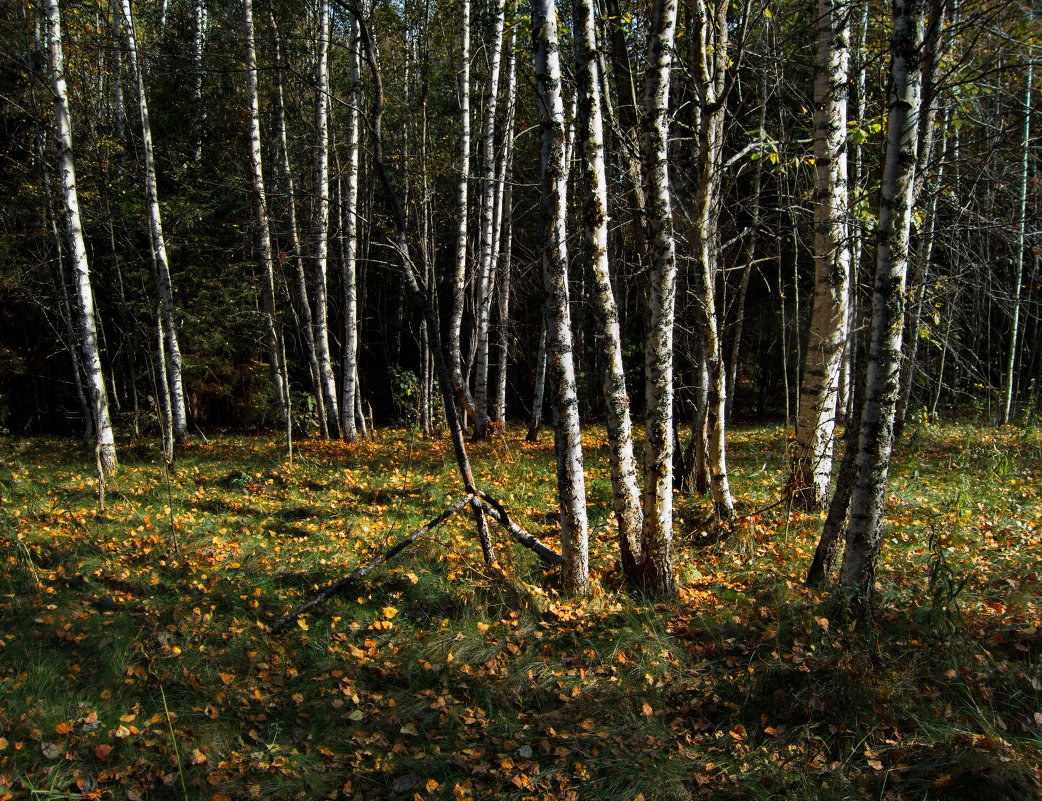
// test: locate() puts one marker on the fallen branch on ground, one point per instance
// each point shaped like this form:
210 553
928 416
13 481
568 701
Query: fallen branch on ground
522 537
360 573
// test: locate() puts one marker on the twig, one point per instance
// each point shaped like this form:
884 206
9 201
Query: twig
361 572
173 742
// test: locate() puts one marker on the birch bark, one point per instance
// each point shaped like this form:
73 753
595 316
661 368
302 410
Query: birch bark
296 252
571 486
711 82
260 204
864 521
103 434
486 240
166 291
590 125
811 469
1018 273
459 275
656 570
349 277
320 223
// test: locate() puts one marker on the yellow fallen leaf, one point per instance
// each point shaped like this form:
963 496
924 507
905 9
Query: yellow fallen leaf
302 623
389 612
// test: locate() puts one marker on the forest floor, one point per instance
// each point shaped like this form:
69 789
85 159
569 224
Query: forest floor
136 661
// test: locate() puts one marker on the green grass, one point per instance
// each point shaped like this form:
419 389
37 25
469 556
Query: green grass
438 679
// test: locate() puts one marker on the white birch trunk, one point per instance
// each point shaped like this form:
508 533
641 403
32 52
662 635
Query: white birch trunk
260 204
811 469
590 124
864 520
320 224
1018 273
571 485
105 442
155 220
486 240
296 252
199 18
459 276
657 534
349 278
505 202
711 74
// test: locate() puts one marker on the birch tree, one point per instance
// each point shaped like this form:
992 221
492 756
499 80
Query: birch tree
296 252
155 222
811 469
656 571
459 275
1009 381
711 80
864 520
571 487
320 223
105 443
260 204
590 124
349 273
487 233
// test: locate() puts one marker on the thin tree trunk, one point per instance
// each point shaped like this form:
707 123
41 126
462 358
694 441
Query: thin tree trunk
811 468
864 521
539 389
320 223
166 292
349 274
571 486
625 489
656 569
296 252
459 282
506 234
165 410
486 248
1018 272
105 443
711 69
260 203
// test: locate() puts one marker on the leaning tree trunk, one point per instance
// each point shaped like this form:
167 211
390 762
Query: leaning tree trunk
104 439
571 486
864 521
320 223
656 570
155 219
811 468
590 125
260 203
349 273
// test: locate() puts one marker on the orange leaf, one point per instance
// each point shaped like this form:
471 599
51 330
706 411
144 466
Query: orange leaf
63 728
102 752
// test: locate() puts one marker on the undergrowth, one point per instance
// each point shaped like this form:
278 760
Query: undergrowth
135 652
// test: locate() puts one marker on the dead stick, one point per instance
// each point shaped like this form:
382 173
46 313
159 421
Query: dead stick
496 510
360 573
